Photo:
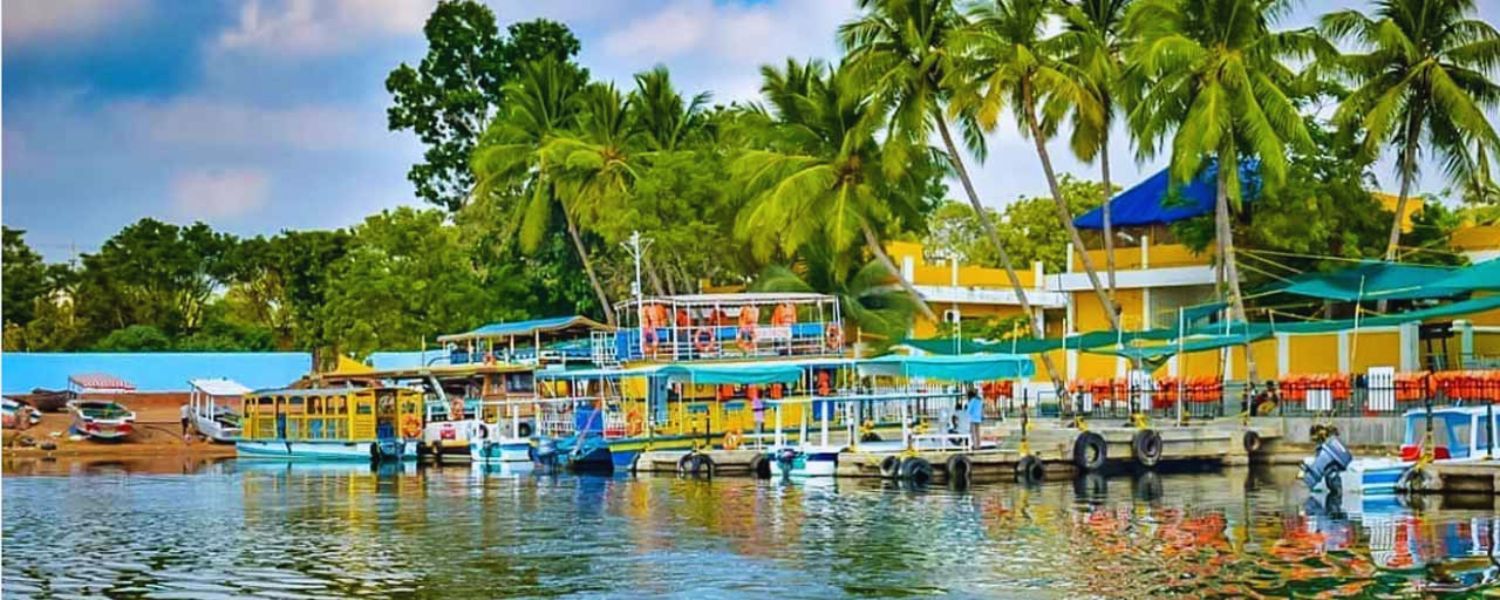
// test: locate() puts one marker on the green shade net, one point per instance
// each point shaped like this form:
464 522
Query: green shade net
1372 281
1482 276
1254 331
1154 356
969 367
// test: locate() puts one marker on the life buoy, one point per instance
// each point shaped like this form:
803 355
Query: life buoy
634 423
703 339
732 439
834 337
411 427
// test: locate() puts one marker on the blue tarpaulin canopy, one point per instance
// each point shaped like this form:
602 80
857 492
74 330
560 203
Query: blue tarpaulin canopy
526 329
735 373
967 367
1481 276
1156 201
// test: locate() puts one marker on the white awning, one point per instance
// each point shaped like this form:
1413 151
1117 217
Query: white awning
219 387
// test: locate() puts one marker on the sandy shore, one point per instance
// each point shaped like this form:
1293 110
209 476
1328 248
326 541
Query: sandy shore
158 433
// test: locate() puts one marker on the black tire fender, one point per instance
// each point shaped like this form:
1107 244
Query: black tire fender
890 467
685 464
916 470
760 467
1030 469
1090 451
1146 445
960 470
1251 441
703 466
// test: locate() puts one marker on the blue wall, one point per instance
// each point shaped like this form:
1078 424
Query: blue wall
151 371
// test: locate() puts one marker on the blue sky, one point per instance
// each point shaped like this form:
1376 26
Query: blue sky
261 115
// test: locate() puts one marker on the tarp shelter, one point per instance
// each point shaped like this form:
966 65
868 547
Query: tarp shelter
1156 201
99 383
966 368
1373 280
1481 276
1157 353
734 373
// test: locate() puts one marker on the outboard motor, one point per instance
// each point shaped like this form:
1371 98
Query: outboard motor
787 457
1331 458
546 450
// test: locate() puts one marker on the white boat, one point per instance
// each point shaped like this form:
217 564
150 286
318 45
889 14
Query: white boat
504 442
805 461
102 419
211 409
1459 433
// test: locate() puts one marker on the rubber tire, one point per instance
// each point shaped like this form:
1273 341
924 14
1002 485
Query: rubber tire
916 470
1030 470
685 464
890 467
1148 486
1318 433
960 470
869 437
1146 446
1091 487
1251 441
1089 444
703 466
760 467
525 430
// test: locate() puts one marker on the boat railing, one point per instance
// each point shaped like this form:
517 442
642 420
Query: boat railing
713 342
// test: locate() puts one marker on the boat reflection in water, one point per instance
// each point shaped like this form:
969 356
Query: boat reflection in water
469 530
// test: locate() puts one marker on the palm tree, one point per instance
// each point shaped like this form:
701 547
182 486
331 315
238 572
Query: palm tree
1219 93
1096 44
540 104
900 49
818 176
1005 60
667 121
1423 80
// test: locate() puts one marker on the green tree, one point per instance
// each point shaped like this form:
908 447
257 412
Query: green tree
1027 226
1007 61
135 338
407 277
542 104
26 278
1222 95
1423 79
280 284
1095 43
818 179
153 273
449 98
900 49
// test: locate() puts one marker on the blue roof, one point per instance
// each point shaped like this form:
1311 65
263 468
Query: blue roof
1151 202
152 371
526 328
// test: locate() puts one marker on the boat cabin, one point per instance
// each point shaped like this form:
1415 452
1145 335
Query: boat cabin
1458 432
332 414
724 326
213 407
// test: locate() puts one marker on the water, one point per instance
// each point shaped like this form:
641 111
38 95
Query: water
174 529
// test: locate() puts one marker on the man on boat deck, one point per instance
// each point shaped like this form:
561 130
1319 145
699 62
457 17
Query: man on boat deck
976 416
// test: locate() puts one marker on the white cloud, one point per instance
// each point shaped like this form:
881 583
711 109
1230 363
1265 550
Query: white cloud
214 194
47 21
206 122
291 28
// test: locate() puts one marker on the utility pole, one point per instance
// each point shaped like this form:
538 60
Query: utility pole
637 248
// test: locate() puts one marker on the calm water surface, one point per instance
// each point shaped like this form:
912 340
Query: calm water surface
170 528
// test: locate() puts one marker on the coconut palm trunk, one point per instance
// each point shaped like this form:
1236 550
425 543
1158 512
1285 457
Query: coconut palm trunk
1408 166
653 275
1109 229
873 242
588 267
1231 270
1065 215
1010 271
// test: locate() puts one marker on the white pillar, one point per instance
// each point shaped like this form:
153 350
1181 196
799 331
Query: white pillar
1038 274
1069 267
1343 351
1409 334
1465 342
1283 354
908 268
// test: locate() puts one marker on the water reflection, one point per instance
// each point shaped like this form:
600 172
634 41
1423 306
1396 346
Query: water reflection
305 529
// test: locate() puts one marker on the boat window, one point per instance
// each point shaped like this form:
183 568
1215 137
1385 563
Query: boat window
1458 432
1482 437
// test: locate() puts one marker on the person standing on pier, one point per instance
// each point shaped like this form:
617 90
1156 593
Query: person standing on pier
975 408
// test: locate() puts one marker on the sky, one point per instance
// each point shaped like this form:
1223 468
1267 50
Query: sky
256 116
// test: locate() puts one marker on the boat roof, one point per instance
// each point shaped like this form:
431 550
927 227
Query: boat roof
527 328
738 298
219 387
734 372
440 371
100 382
319 391
964 367
1478 409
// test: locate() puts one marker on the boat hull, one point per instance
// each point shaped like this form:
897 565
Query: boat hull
328 450
804 462
215 431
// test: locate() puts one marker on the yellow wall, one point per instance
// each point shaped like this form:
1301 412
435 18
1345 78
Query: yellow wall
1381 349
1157 256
